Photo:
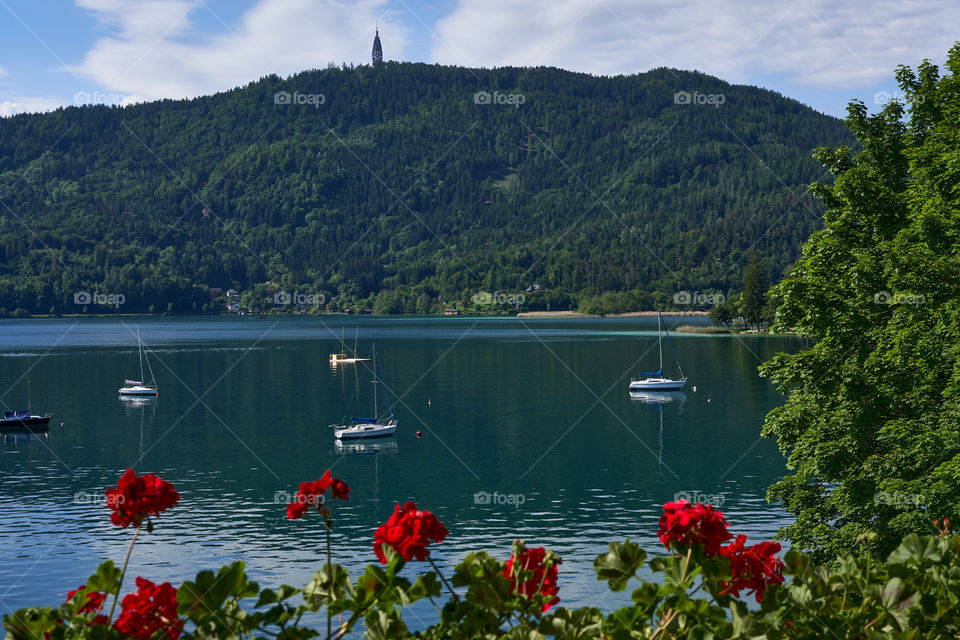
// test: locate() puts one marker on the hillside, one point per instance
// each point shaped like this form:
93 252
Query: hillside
401 183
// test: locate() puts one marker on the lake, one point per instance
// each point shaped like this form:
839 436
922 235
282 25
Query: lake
528 432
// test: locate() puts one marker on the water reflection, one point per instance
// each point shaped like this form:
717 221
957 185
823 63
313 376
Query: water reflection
136 402
23 435
658 397
385 446
144 408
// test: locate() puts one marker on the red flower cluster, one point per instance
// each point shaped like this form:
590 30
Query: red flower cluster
152 609
408 531
311 494
688 524
137 498
753 567
543 580
92 601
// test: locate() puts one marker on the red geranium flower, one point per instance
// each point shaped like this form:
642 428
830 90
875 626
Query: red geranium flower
753 568
137 498
311 494
543 580
687 524
91 602
152 609
94 599
408 531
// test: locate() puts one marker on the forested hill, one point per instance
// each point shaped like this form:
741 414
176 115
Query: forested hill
384 184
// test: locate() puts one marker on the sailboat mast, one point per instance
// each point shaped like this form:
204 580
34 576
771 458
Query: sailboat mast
356 336
29 405
140 352
376 413
660 340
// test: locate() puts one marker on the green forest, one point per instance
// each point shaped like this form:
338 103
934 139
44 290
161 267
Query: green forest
408 188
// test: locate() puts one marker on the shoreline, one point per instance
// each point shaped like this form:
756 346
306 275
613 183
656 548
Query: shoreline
522 314
629 314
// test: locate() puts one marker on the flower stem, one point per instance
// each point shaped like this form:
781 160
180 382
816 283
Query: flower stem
456 598
126 561
327 522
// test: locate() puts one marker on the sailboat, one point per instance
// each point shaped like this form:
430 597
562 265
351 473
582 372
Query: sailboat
369 427
24 419
656 380
137 387
343 357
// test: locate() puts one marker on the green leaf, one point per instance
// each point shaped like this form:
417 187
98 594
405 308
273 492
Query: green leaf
329 585
385 625
106 579
619 564
209 592
425 585
28 624
578 624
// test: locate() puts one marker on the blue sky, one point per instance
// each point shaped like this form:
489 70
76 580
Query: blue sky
821 52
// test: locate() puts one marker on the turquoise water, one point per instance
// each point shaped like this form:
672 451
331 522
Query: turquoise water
527 432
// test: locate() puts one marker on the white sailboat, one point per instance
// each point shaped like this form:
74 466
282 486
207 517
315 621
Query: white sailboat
656 380
369 427
138 387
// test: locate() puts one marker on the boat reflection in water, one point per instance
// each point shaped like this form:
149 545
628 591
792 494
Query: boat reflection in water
365 448
23 436
658 397
137 402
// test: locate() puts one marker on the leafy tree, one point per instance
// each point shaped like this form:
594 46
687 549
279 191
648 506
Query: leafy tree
725 313
870 423
753 298
162 201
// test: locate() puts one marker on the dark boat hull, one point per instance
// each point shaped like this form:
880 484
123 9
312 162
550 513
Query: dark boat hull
32 422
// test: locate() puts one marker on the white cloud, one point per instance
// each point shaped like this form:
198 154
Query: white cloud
19 104
822 44
155 51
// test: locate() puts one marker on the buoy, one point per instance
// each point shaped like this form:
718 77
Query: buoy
428 402
708 399
694 388
418 434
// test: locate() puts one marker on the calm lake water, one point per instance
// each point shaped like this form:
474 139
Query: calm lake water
527 432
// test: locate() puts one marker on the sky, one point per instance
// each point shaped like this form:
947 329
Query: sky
821 52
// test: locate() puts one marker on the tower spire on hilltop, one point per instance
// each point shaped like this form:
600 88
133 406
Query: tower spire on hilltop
377 49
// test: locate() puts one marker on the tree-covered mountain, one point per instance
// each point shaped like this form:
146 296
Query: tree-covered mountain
409 186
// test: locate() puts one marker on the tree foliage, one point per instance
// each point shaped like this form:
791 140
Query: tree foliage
403 181
871 421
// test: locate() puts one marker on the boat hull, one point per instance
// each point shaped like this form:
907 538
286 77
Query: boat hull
138 391
32 422
657 384
364 430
